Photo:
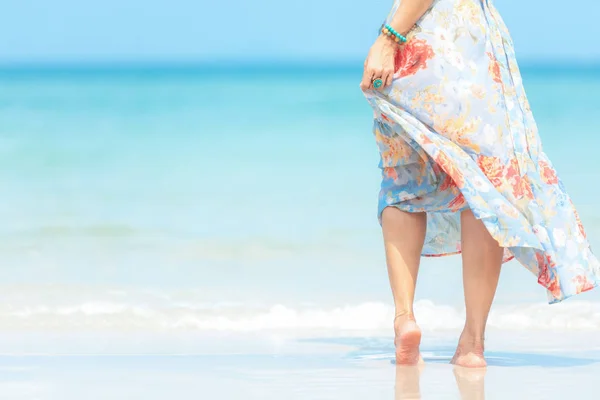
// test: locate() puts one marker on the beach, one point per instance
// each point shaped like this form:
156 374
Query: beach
211 233
276 366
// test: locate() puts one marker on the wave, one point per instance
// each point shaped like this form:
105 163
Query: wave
374 317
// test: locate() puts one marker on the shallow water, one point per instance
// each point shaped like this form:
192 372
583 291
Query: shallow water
329 367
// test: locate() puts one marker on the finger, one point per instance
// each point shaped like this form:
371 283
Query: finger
367 78
377 74
389 78
384 79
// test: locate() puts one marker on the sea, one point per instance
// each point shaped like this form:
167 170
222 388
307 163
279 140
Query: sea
199 218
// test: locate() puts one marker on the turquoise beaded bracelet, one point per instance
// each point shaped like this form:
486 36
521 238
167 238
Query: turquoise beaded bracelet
392 34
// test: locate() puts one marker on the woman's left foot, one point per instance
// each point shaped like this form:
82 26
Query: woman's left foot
407 341
469 353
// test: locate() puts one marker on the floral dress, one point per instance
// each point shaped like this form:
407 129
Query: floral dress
455 132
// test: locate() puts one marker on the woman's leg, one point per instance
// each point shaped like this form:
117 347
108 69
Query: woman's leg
482 259
403 236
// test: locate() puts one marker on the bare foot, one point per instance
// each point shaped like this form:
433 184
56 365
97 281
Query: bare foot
407 341
469 353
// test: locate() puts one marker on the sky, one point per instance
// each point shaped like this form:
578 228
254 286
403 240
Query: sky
67 31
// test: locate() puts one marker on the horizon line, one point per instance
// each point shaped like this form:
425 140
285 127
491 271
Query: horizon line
248 66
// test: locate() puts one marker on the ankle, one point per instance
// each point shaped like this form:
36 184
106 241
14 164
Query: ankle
401 316
401 320
403 312
472 338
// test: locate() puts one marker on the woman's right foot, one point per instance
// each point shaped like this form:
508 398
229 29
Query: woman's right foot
469 353
407 341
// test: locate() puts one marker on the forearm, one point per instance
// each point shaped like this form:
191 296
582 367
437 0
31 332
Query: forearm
408 13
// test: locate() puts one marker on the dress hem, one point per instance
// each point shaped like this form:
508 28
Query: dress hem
459 252
566 296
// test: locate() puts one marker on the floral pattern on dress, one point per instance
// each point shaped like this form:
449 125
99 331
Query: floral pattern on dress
455 132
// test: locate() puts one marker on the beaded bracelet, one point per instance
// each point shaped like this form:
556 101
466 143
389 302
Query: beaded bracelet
392 34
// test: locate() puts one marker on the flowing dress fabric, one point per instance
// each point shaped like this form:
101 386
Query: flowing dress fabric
455 132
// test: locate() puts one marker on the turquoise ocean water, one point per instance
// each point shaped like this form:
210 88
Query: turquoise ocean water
236 198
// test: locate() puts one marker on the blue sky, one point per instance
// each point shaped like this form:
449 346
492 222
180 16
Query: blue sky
201 30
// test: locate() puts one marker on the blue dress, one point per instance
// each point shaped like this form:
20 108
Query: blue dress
455 132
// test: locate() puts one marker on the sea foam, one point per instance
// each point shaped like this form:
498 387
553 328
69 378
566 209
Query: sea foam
374 317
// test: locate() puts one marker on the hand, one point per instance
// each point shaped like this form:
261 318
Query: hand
379 63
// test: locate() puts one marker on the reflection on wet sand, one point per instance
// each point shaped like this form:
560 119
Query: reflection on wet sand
407 382
470 382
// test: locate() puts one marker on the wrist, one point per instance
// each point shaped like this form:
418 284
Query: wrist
392 34
403 30
386 41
